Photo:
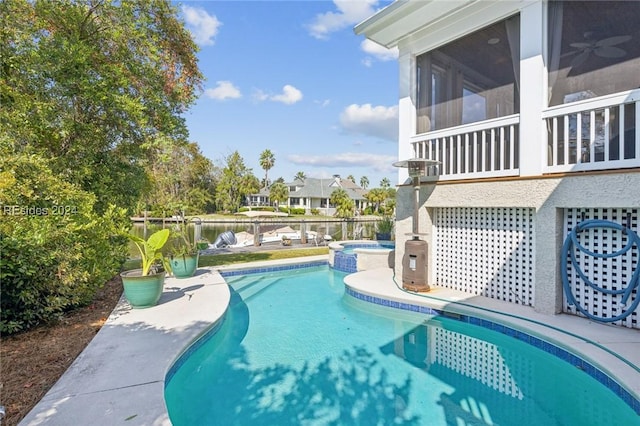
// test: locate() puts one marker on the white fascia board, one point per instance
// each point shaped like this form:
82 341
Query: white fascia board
474 17
404 17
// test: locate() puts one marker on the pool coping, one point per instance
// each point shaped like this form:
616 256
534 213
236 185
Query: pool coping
119 378
121 375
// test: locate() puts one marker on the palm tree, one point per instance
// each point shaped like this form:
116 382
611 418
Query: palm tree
345 206
377 197
267 160
364 182
300 176
279 192
351 178
385 183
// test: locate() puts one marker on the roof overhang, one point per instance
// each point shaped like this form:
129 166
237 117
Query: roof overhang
404 17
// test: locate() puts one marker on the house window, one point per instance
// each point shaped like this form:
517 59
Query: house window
472 79
593 49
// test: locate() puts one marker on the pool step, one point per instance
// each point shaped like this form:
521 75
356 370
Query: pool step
255 286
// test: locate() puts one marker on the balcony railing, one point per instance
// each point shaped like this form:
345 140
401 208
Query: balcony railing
596 134
478 150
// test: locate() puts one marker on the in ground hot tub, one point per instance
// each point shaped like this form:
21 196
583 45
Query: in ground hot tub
361 255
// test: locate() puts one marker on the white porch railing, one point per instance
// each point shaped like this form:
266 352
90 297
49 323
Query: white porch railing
595 134
478 150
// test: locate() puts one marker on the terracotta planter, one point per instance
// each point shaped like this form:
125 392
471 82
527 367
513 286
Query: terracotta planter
142 291
184 266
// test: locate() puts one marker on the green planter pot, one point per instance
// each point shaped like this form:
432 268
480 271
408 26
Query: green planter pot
184 266
142 291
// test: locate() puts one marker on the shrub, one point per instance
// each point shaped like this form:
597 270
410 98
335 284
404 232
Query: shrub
385 225
56 250
292 210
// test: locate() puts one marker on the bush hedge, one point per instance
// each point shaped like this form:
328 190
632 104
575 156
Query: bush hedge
55 250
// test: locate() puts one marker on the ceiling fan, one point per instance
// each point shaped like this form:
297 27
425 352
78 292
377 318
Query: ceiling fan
604 48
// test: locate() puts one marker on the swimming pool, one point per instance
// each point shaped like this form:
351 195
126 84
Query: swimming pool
295 349
361 255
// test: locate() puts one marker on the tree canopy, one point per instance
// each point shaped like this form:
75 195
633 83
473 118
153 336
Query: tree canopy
267 160
236 182
364 182
91 100
279 193
345 206
92 84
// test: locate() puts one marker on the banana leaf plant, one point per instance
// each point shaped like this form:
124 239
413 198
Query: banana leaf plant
151 250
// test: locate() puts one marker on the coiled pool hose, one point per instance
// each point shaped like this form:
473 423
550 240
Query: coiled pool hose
571 243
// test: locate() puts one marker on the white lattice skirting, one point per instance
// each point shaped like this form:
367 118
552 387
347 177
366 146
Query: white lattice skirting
609 273
486 251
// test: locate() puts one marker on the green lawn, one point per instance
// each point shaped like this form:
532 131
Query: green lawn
231 258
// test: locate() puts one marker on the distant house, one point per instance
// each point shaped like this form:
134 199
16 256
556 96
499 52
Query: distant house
532 109
314 193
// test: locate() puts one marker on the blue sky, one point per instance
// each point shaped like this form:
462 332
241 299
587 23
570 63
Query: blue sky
292 77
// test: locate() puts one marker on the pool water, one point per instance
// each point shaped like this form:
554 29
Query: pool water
351 248
295 350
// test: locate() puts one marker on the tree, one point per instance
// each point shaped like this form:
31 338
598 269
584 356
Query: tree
385 183
351 178
377 197
235 184
267 160
182 178
345 206
87 88
364 182
300 176
279 192
89 84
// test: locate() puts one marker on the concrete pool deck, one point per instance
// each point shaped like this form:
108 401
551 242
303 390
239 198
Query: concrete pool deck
119 378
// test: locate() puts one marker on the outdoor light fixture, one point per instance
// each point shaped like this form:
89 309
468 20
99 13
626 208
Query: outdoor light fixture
414 262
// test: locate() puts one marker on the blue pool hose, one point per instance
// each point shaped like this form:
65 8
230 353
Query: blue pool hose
571 243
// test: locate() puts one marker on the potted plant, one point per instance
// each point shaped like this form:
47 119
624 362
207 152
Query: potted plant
384 227
183 254
143 287
202 244
286 241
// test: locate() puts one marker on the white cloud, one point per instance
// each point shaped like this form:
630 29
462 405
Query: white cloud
379 52
259 95
377 121
224 90
323 103
379 163
348 13
290 95
203 26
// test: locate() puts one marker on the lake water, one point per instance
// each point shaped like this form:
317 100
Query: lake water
210 231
